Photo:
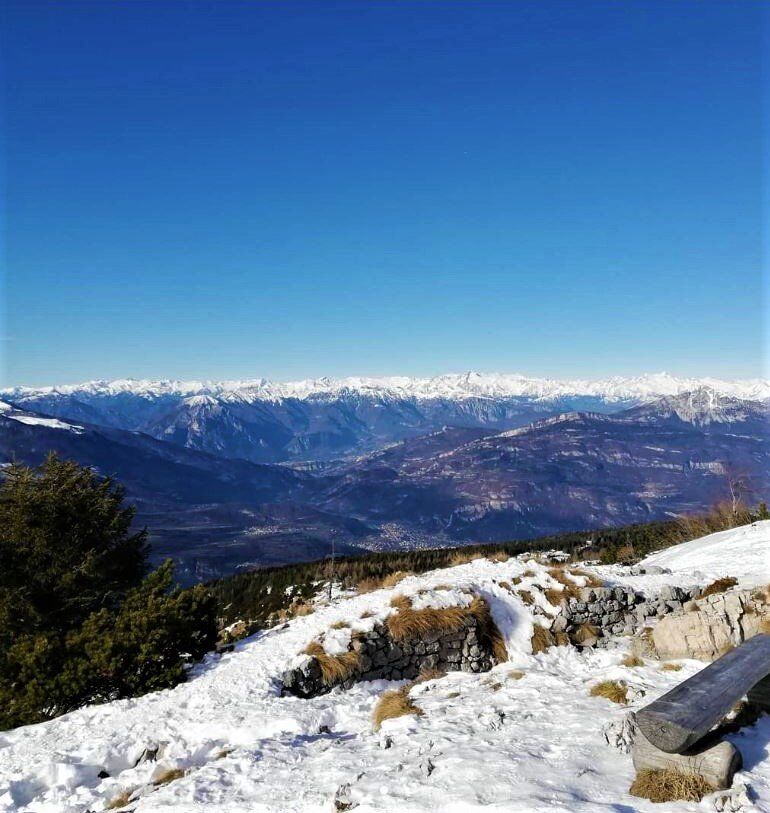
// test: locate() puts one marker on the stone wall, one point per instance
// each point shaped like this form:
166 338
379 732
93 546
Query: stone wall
380 657
615 611
708 627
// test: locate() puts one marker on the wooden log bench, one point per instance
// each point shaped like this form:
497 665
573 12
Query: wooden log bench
675 728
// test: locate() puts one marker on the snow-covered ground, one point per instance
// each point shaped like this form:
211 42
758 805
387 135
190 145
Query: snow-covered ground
486 741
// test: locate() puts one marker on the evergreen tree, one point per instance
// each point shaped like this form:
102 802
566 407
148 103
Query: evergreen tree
78 622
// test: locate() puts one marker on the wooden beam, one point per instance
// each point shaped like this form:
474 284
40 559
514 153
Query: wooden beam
676 721
713 759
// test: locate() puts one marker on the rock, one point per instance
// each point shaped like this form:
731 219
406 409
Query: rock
621 733
706 628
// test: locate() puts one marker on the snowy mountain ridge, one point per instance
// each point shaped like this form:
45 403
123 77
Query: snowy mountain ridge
451 386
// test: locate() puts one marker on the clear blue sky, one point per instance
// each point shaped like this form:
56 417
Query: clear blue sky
231 189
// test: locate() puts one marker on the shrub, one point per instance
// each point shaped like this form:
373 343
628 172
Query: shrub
670 786
719 586
394 703
334 668
614 690
78 624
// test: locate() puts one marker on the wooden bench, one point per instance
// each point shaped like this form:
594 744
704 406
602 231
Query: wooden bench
675 727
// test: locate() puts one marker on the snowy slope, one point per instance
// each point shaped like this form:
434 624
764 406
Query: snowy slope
454 386
485 741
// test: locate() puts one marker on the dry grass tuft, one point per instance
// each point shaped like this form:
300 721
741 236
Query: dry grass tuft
506 586
411 623
394 578
452 695
334 668
461 558
590 579
168 775
542 639
671 667
562 639
495 687
368 585
515 674
554 596
527 597
632 660
719 586
300 608
429 673
529 574
516 580
499 556
585 633
571 590
121 800
340 625
670 786
614 690
394 703
367 614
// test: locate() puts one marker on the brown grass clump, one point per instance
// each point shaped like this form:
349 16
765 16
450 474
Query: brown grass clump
340 625
515 674
499 556
527 597
506 586
632 660
614 690
429 673
334 668
671 667
562 639
529 574
394 578
301 608
719 586
394 703
121 800
571 590
542 639
670 786
461 558
516 580
367 614
168 775
555 596
590 579
584 633
368 585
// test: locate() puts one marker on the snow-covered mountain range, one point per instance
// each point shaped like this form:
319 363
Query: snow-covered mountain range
451 386
324 419
406 474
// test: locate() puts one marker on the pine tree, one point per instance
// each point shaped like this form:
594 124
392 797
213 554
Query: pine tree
78 622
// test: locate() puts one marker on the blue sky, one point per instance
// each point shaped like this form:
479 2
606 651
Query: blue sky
216 190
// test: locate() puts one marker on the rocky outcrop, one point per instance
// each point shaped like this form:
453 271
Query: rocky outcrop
708 627
380 657
600 612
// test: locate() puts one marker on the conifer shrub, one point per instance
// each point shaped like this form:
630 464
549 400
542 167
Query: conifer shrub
80 621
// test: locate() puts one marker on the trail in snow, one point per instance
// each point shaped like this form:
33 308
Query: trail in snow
485 741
